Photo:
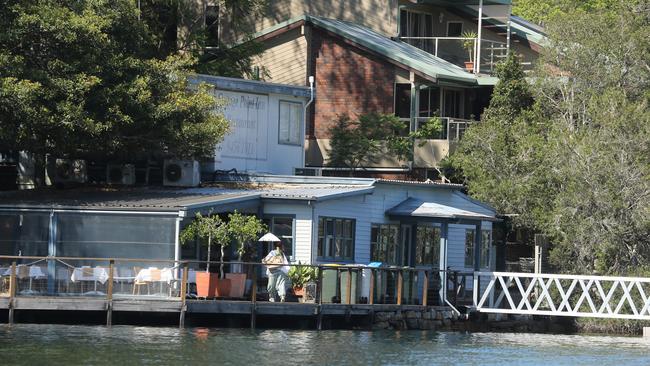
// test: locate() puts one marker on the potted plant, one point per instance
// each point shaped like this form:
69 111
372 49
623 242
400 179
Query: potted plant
243 229
212 228
299 276
469 44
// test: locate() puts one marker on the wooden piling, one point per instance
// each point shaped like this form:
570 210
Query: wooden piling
371 295
400 283
348 291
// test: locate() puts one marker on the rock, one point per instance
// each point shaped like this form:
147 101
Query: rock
398 324
412 323
398 316
413 315
382 316
446 322
426 315
380 325
438 315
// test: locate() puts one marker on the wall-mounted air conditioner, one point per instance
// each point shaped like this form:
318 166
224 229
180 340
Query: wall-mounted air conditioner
120 174
66 171
181 173
311 172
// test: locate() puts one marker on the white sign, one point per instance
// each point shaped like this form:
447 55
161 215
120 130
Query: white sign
248 114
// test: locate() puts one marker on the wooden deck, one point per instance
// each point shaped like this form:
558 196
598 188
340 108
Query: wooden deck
214 307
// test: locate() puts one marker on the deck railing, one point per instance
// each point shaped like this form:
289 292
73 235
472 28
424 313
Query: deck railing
142 279
453 128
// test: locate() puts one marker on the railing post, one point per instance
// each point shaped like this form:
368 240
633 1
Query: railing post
425 288
109 293
12 292
254 300
183 294
319 298
436 54
400 283
371 294
475 292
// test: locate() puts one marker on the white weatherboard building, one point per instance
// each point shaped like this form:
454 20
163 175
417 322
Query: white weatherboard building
267 133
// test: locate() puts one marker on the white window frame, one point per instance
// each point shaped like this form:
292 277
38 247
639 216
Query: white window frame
300 124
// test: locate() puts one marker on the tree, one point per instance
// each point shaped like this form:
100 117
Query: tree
84 79
207 227
542 11
244 229
574 165
356 144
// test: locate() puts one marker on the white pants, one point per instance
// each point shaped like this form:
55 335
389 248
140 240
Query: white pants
277 284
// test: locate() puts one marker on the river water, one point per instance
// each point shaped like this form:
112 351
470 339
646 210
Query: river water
29 344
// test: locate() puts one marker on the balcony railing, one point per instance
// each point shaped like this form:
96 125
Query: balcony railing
454 50
453 128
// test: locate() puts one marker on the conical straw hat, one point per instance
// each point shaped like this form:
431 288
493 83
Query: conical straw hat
269 237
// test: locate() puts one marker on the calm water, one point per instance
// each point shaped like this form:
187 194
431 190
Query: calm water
24 344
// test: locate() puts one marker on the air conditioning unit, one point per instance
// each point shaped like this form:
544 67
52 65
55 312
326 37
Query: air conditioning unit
181 173
120 174
311 172
66 171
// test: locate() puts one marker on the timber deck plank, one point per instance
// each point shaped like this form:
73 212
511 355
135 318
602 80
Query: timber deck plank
153 306
54 303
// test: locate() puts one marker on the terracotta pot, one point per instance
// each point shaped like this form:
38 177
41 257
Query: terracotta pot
237 284
469 66
299 291
206 284
222 287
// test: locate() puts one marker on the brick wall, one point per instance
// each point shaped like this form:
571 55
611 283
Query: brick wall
348 80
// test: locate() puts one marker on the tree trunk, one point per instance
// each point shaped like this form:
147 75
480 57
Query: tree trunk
39 169
207 267
222 255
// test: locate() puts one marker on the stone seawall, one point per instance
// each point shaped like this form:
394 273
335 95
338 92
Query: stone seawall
448 319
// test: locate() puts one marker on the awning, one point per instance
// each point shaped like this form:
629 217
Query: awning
413 207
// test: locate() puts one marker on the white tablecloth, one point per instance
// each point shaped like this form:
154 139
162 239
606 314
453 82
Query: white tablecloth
166 275
34 272
98 274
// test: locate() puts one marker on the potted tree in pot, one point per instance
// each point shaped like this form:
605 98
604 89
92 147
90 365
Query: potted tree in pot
299 276
243 229
212 228
469 44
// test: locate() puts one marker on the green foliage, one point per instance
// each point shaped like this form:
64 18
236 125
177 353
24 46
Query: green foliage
244 229
431 129
300 275
469 44
542 11
362 142
574 165
85 78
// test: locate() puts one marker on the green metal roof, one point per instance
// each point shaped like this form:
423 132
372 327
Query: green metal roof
400 52
464 2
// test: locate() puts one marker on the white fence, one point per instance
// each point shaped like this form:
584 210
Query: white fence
562 295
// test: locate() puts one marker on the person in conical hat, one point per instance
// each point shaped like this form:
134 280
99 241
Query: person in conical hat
277 268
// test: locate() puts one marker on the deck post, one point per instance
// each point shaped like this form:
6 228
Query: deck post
109 293
183 295
371 295
319 299
348 291
12 292
400 283
425 288
254 300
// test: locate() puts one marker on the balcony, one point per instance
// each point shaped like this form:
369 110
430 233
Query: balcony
429 153
456 51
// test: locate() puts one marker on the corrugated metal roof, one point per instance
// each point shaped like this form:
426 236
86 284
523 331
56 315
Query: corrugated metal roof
309 192
413 207
396 50
428 183
139 199
250 86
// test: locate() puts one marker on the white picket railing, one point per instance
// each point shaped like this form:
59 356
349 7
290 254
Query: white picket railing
562 295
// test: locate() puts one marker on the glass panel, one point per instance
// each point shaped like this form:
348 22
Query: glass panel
115 236
469 248
285 117
24 234
296 121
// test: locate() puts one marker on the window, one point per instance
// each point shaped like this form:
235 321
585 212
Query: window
429 102
384 243
454 29
336 239
403 100
469 247
486 244
290 122
414 24
212 25
282 227
427 246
